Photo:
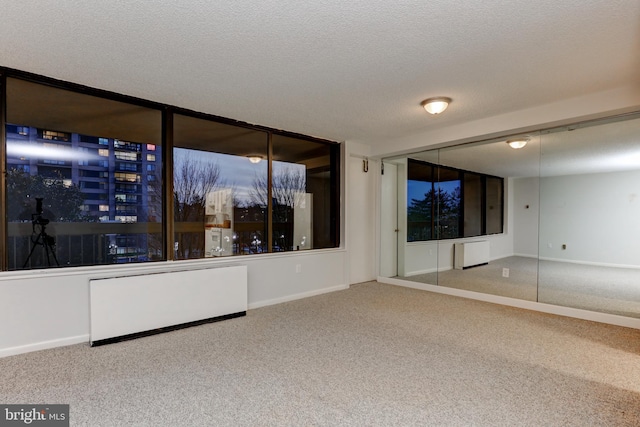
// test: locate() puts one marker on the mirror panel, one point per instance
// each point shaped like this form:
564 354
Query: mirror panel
589 237
553 221
499 207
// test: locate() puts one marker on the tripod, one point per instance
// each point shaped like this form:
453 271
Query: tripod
42 239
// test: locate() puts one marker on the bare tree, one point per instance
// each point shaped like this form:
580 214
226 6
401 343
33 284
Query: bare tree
287 191
288 186
193 179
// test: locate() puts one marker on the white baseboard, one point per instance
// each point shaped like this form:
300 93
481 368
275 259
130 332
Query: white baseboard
596 264
611 319
44 345
294 297
415 273
573 261
526 256
430 270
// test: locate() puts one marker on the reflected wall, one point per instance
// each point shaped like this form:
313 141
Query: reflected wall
589 236
554 221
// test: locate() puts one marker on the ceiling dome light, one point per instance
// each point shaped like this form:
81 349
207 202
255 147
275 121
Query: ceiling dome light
255 159
436 105
518 143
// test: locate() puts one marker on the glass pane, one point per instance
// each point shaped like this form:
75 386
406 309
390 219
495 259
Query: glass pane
494 205
472 205
304 185
448 196
496 261
81 188
219 188
589 210
410 195
420 201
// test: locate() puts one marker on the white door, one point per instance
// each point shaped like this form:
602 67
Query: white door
389 221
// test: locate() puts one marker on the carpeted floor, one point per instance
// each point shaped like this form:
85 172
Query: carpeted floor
604 289
372 355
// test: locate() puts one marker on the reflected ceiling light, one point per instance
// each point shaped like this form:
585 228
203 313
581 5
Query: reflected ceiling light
436 105
518 142
255 159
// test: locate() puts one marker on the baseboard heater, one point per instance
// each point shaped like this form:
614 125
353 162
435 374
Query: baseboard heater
470 254
128 307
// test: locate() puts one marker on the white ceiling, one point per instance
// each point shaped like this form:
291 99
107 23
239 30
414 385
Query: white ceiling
340 70
596 147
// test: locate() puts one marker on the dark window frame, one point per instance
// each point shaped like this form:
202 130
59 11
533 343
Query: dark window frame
436 233
167 146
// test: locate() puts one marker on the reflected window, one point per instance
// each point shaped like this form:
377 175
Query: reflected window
420 201
448 203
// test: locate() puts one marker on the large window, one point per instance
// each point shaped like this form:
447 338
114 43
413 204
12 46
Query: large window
86 181
218 173
447 203
303 181
61 207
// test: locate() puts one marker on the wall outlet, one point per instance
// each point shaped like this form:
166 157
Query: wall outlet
505 272
564 247
298 268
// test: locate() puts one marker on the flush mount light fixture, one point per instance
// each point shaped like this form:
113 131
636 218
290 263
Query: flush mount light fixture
255 159
436 105
518 142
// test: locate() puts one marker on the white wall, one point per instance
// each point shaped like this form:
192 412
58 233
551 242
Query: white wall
597 216
361 201
49 308
525 211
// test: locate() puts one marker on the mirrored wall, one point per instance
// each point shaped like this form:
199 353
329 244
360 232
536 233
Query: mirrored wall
551 216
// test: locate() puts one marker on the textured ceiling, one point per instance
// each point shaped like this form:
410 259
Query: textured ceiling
597 147
339 70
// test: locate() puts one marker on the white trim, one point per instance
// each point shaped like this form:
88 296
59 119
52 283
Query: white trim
294 297
117 270
611 319
415 273
430 270
44 345
572 261
524 256
596 264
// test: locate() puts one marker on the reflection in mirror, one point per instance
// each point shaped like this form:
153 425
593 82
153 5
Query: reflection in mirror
554 220
465 226
589 235
484 256
408 224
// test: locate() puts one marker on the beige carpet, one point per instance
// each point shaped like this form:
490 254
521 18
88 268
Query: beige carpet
603 289
372 355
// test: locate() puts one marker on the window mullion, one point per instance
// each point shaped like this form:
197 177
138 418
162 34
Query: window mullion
4 241
270 193
167 195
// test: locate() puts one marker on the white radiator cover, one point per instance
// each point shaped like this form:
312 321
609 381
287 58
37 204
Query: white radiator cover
470 254
133 304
